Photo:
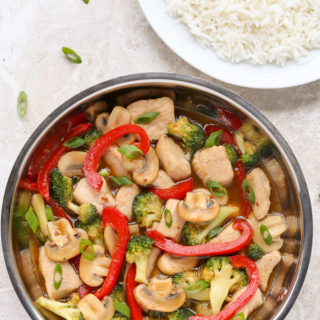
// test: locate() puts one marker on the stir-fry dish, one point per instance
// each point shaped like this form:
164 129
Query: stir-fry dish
147 213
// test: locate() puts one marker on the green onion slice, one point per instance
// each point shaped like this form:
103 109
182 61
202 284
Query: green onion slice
168 217
22 103
248 191
74 142
216 188
214 139
146 117
122 308
130 151
265 234
86 1
213 232
71 55
239 316
32 220
49 213
85 242
197 287
121 181
104 173
57 269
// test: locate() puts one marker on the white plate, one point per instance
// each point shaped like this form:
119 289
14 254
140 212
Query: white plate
179 39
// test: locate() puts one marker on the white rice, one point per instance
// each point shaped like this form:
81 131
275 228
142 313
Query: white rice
257 31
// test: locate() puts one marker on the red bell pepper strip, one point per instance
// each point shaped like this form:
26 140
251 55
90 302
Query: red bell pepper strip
119 222
178 191
130 284
240 174
52 142
232 309
51 163
84 290
103 143
207 249
58 212
229 120
29 185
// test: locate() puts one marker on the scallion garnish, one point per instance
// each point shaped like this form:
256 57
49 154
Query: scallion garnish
74 142
216 188
57 269
214 139
104 173
168 217
71 54
121 181
32 220
86 1
197 286
130 151
122 308
213 232
49 213
248 191
22 103
265 234
239 316
85 242
146 117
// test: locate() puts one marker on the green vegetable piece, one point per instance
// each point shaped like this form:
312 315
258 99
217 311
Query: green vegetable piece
130 151
104 173
85 242
22 103
49 213
146 117
20 226
255 252
197 287
71 55
248 191
265 234
57 270
216 188
239 316
74 142
122 307
231 153
121 181
75 180
118 293
91 136
214 139
214 232
32 220
86 1
185 279
154 315
168 217
180 314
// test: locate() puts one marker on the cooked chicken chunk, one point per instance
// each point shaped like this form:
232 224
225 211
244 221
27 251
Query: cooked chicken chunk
114 160
261 188
159 125
124 199
228 234
163 180
174 231
213 164
70 279
152 259
265 266
84 193
173 159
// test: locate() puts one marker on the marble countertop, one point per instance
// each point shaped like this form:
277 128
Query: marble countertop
114 39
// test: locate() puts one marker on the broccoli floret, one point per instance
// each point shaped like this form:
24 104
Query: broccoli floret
118 293
265 146
191 134
119 316
62 309
250 153
250 160
223 278
60 187
138 249
74 300
190 234
92 135
255 252
180 314
147 208
42 238
185 278
231 153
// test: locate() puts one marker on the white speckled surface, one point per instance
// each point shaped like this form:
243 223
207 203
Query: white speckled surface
114 39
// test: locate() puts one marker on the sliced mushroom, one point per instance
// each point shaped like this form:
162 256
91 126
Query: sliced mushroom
65 240
94 309
102 122
228 234
110 239
173 159
114 160
198 206
276 225
160 295
152 259
96 108
163 180
171 264
71 163
93 272
125 197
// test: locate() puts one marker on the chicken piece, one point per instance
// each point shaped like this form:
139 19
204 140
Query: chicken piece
255 302
84 193
114 160
163 180
265 266
124 199
173 159
174 231
70 279
159 125
261 187
213 164
152 259
228 234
